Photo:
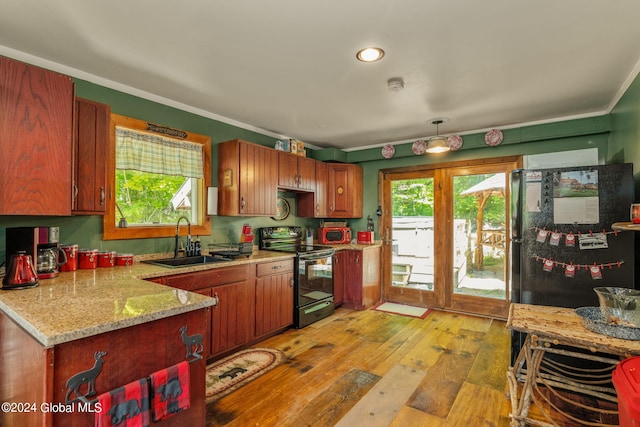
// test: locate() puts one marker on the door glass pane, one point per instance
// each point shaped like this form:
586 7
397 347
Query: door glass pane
412 245
479 235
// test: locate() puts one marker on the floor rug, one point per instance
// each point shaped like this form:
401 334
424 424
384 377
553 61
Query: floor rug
231 373
404 310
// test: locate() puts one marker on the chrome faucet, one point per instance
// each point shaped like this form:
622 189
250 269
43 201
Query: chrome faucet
176 250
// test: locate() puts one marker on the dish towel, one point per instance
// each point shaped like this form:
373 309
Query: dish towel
126 406
170 390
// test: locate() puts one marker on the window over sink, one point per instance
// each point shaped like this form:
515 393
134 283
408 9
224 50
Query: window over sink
157 174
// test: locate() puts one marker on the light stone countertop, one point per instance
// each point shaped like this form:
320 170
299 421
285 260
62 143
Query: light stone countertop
84 303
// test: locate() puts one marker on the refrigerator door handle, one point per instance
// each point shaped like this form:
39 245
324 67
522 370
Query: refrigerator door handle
517 192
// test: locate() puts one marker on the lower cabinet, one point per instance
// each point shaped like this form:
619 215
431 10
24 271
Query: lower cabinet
361 275
273 297
339 268
229 320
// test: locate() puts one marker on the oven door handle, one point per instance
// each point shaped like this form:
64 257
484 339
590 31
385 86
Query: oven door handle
316 254
317 307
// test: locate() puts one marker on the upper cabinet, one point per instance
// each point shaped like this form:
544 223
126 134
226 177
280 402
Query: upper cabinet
314 204
296 172
344 190
90 148
247 179
36 121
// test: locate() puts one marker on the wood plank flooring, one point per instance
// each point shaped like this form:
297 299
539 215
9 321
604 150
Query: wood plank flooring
382 369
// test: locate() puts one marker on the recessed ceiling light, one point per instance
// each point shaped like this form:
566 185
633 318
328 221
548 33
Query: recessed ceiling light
370 54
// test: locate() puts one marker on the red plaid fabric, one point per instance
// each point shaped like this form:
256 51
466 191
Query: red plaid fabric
126 406
170 390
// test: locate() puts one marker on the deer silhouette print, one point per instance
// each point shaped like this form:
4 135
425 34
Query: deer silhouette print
193 343
85 377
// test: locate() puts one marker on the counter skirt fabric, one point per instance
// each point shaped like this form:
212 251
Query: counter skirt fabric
170 390
126 406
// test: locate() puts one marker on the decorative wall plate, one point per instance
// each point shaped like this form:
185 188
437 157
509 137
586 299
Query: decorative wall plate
419 147
282 209
388 151
454 142
493 137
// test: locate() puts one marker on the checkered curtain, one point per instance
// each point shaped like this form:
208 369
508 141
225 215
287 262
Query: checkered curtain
157 154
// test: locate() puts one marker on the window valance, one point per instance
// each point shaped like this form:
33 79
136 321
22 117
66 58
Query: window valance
157 154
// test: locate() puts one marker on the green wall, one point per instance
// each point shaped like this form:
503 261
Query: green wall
548 138
614 135
625 135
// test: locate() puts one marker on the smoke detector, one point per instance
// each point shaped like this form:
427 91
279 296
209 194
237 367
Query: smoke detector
395 84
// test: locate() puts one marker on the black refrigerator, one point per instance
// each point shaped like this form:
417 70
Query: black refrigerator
562 243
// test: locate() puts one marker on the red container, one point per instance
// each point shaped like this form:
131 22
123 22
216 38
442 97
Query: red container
626 380
106 259
365 238
124 259
72 258
88 259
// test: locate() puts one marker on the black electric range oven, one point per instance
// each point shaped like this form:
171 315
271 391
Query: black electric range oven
313 273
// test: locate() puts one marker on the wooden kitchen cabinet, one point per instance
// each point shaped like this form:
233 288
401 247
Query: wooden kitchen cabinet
229 322
36 120
344 191
90 148
273 297
314 204
35 375
247 179
296 172
339 271
362 285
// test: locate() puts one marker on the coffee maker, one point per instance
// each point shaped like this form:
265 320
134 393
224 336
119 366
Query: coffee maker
42 244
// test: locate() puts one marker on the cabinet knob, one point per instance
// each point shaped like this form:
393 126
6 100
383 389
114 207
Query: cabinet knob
102 196
276 267
242 202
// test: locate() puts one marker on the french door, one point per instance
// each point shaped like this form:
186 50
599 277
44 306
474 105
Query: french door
445 235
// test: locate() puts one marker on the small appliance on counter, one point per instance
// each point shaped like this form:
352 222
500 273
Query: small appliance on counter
365 238
20 273
42 244
335 232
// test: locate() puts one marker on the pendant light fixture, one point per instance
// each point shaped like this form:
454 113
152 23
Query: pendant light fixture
437 144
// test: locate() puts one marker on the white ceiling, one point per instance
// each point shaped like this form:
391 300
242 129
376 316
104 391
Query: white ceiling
288 66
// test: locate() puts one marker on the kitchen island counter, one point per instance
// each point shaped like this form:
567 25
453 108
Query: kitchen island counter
128 328
83 303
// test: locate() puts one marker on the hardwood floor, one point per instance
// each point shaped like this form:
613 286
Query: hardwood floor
379 369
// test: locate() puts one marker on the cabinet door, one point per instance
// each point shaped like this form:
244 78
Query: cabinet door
287 170
353 279
345 191
36 119
258 180
207 338
230 327
90 145
362 285
314 204
339 270
274 303
306 174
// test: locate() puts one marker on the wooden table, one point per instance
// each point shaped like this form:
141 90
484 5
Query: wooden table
532 378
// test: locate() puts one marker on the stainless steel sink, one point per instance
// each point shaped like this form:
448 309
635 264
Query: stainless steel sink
186 261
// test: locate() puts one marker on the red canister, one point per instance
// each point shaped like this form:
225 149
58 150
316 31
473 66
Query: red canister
124 259
88 258
72 258
107 259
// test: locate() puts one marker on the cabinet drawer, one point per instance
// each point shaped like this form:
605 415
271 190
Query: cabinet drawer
208 278
275 267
